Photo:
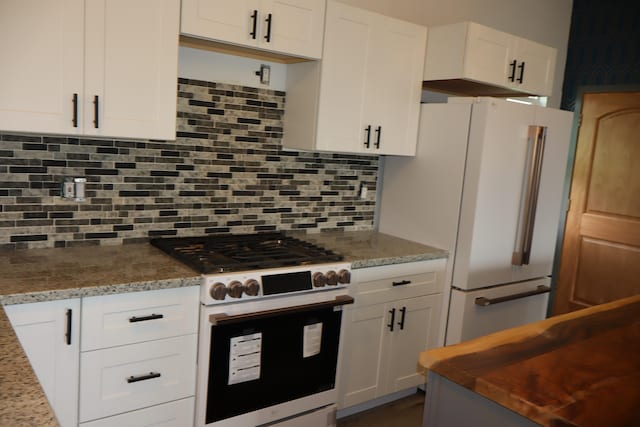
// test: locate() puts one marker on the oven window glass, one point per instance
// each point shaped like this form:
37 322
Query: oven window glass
292 362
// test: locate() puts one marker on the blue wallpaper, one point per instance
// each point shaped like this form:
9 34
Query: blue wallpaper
604 46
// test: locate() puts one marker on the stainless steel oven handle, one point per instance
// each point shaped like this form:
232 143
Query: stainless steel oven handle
220 318
484 301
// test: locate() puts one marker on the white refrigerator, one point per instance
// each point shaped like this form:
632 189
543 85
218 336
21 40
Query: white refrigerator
487 185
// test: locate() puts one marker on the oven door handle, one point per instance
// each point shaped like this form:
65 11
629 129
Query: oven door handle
220 318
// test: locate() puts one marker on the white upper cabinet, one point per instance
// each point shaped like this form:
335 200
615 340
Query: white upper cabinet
471 59
42 67
364 96
89 67
290 27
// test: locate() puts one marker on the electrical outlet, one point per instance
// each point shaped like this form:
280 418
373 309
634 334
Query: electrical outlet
68 189
363 190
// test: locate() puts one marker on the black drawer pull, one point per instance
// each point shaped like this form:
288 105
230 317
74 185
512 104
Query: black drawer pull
512 75
521 67
392 312
254 20
145 318
74 101
149 376
67 334
401 283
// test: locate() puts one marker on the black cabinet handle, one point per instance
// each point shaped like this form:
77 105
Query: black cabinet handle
403 310
378 134
96 104
74 100
145 318
269 21
67 334
393 318
148 376
367 141
512 75
254 24
521 67
401 283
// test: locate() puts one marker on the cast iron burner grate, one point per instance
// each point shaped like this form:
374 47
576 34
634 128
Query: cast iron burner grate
241 252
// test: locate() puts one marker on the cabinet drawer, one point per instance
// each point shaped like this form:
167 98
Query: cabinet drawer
381 286
173 414
122 319
121 379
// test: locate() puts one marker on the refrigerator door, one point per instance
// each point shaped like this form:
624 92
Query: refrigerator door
484 311
494 193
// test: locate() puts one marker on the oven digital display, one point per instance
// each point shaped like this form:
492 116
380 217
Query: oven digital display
287 282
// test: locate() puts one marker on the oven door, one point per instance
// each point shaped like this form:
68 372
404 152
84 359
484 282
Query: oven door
270 364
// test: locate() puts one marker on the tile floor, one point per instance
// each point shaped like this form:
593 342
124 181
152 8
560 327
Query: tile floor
406 412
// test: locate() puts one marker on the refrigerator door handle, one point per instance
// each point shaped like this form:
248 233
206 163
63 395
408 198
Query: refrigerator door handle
531 188
483 301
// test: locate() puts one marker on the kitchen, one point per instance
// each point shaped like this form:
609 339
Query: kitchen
287 192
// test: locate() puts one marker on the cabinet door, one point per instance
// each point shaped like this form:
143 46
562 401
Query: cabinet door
41 45
393 85
364 336
230 21
42 329
415 330
294 27
131 68
489 55
342 86
536 66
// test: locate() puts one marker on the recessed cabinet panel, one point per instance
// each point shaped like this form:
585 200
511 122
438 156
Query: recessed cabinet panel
41 44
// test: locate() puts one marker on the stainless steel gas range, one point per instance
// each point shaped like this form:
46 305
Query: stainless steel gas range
270 327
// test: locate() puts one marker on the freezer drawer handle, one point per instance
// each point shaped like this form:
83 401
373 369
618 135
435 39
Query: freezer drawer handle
149 376
531 188
483 301
220 318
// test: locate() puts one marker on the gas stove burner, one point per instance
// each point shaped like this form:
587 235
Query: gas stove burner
240 252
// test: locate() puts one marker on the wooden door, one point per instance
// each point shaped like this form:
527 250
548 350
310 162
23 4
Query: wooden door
601 252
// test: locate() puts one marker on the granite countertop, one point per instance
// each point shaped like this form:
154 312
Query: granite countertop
580 369
371 249
50 274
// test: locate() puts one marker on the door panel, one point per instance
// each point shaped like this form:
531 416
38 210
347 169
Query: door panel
601 248
41 45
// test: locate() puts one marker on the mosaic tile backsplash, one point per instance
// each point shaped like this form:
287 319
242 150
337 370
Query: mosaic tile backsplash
226 172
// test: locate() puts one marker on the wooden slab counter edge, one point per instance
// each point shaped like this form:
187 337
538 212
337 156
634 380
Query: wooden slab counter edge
577 369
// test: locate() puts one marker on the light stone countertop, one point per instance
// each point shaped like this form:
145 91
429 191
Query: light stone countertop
51 274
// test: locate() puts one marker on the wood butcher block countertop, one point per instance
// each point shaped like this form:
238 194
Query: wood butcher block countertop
578 369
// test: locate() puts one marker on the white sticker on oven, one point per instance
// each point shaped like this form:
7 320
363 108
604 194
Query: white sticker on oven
244 358
312 340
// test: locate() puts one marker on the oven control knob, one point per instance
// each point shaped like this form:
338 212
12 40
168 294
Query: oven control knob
251 287
235 289
332 278
319 279
344 276
218 291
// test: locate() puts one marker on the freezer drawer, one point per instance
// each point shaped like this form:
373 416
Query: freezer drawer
484 311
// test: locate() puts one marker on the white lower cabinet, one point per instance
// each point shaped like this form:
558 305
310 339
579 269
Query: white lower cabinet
49 334
172 414
121 379
395 317
138 356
